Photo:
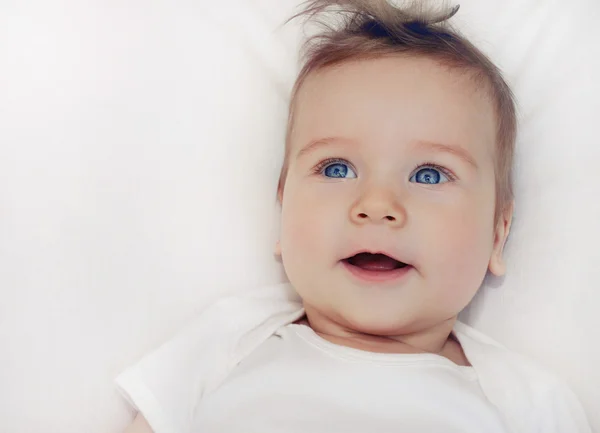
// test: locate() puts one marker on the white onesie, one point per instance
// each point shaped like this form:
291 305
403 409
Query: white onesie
298 382
243 366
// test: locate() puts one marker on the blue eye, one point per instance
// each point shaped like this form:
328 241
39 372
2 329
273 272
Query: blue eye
429 176
338 170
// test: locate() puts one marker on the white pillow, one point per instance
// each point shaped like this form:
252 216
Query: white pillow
140 153
139 157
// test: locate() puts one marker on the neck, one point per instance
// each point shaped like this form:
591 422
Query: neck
436 339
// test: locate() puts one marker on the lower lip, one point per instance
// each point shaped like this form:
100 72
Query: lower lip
377 276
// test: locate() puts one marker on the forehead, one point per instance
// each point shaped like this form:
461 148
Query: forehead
395 99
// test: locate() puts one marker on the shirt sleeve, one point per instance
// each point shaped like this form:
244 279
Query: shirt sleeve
559 411
166 384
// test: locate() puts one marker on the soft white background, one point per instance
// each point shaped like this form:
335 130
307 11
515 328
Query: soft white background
140 143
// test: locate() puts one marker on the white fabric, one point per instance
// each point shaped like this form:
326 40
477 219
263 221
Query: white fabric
297 382
170 385
140 146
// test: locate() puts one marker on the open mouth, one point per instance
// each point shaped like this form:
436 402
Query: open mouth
375 262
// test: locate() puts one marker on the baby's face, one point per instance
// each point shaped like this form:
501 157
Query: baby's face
391 155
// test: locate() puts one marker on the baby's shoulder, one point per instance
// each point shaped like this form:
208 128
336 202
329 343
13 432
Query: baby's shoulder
524 390
494 361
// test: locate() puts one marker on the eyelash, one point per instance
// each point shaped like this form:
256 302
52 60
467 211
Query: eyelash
321 166
451 176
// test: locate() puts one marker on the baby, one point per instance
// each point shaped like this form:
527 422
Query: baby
396 199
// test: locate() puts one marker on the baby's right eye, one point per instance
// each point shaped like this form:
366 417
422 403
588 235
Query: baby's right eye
336 168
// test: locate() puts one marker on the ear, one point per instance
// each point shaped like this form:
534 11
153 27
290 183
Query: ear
497 265
278 249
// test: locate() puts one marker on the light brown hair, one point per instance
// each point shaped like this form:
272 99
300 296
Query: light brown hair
368 29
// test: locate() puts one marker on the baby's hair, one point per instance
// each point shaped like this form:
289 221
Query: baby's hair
370 29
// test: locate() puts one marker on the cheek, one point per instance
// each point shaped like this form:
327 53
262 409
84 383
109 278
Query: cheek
313 221
305 221
460 241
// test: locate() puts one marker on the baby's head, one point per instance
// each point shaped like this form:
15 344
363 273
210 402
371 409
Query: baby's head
400 141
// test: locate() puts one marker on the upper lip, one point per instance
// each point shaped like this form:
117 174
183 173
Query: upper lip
384 252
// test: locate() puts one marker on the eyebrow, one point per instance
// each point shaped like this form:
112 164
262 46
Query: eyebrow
322 142
457 151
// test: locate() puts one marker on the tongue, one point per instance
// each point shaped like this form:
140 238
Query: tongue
374 262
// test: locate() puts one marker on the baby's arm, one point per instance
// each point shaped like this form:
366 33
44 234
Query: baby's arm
139 425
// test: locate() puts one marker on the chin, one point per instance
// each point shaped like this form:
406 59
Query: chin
376 324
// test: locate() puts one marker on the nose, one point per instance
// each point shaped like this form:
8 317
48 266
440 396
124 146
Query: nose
378 206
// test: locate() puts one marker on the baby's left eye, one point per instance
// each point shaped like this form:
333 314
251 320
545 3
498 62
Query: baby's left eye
429 176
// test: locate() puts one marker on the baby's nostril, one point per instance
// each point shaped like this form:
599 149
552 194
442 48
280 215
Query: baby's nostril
390 218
